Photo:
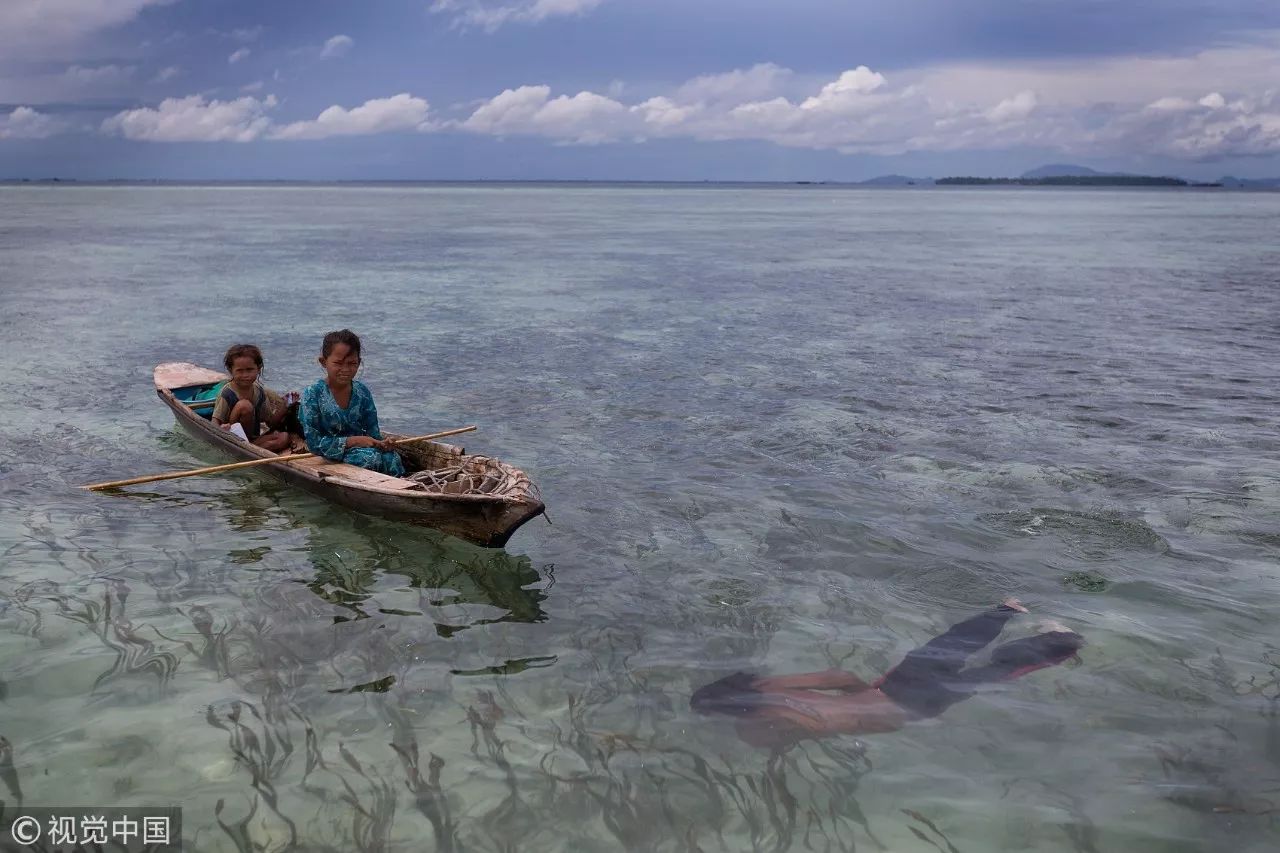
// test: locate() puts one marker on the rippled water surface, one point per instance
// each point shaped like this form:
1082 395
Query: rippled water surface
777 430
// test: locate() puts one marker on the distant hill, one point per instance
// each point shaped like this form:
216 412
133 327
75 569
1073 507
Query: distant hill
896 181
1062 170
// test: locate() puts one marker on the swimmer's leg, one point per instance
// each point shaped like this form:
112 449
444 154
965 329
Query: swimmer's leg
1016 659
920 682
947 653
733 694
772 720
831 679
774 734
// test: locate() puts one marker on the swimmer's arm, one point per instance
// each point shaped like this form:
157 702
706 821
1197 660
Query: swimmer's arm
831 679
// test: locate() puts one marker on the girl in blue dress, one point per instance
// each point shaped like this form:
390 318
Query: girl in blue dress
338 417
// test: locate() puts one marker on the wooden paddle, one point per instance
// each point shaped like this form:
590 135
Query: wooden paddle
174 475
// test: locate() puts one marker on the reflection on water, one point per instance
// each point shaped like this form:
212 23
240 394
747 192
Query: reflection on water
323 702
340 626
322 666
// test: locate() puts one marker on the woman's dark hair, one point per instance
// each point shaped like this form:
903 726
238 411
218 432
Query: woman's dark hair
342 336
242 351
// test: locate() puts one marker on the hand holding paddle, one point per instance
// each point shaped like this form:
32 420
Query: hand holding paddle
370 441
174 475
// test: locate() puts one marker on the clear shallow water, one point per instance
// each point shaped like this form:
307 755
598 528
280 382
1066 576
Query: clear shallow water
776 430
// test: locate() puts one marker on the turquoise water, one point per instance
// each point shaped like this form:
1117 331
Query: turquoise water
775 429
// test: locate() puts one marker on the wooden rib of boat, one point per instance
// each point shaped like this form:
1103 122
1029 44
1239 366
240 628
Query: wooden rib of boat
487 517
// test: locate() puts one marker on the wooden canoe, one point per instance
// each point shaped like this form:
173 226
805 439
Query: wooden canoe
484 518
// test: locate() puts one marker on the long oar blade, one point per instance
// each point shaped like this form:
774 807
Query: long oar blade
215 469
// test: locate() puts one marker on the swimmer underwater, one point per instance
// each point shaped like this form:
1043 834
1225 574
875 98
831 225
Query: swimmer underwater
776 712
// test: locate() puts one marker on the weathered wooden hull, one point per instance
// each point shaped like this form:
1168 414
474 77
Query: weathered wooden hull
476 518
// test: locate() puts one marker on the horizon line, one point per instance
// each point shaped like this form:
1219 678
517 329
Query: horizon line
906 182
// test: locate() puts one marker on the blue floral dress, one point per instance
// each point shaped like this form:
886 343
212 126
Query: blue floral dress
327 426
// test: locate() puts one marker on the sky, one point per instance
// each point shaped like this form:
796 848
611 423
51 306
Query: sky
692 90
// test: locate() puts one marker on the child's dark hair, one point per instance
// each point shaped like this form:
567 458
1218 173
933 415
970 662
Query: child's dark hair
342 336
242 351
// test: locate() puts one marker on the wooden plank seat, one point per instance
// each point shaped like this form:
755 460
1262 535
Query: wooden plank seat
355 474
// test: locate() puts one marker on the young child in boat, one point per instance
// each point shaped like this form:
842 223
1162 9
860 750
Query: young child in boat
246 401
338 417
777 712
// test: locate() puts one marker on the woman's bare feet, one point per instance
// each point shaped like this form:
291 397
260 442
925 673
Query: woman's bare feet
1013 604
1053 626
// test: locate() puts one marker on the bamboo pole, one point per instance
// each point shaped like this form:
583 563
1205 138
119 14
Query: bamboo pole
174 475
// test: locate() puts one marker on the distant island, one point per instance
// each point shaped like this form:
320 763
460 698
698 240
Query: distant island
1075 181
1071 175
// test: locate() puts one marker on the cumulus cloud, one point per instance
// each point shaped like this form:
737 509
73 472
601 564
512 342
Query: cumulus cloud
1171 103
1011 109
168 73
197 119
664 114
34 27
242 53
846 89
381 115
1254 66
755 83
1213 127
194 119
490 15
584 118
99 75
704 108
26 123
1076 110
336 46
